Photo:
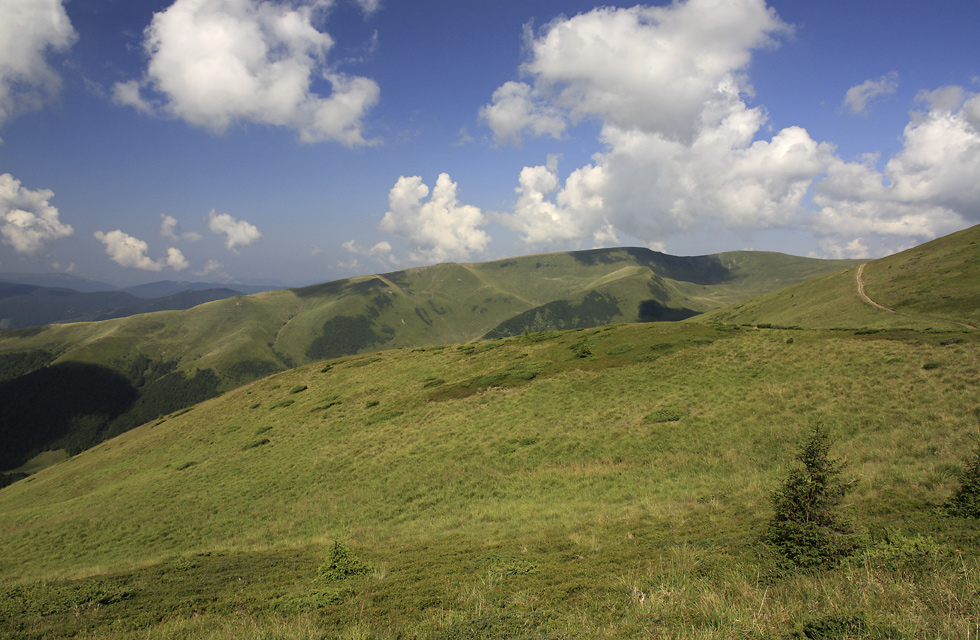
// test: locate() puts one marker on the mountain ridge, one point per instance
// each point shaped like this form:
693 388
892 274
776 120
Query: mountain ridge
176 357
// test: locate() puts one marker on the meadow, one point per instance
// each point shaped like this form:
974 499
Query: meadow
600 483
70 386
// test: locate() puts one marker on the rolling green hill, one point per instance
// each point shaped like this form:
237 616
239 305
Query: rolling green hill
162 362
935 285
596 483
600 482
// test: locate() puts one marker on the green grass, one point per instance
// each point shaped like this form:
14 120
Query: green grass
597 483
615 495
247 337
934 286
42 460
171 359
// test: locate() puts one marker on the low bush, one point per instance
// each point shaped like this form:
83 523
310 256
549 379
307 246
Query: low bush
340 565
664 415
893 551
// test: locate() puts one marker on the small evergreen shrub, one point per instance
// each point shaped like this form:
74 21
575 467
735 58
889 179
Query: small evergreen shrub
965 501
298 388
581 349
807 528
340 564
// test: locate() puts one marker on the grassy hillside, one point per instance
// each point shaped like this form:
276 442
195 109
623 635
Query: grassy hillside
161 362
935 285
598 483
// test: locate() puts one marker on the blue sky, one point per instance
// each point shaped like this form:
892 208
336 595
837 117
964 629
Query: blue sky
305 141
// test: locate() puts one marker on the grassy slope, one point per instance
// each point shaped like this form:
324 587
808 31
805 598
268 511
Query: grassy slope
241 339
935 285
431 305
617 494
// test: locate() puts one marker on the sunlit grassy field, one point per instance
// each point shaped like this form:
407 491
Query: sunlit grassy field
600 483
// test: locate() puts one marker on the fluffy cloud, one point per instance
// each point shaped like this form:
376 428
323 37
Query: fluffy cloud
927 189
576 212
218 62
237 233
29 30
27 219
170 229
682 150
859 97
679 141
514 108
176 260
441 228
127 251
650 68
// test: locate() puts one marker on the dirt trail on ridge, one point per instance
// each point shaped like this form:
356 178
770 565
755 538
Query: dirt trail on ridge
867 298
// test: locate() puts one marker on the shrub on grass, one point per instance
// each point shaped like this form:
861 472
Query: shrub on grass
256 443
808 529
664 415
340 564
965 501
894 551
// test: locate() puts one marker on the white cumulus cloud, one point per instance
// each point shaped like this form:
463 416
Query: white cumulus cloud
27 219
127 251
441 228
170 229
176 260
859 97
681 149
931 187
515 107
215 63
237 233
29 31
651 68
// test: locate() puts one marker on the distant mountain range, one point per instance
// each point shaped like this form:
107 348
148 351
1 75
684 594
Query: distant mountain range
28 300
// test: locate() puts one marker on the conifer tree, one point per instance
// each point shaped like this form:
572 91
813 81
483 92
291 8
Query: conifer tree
808 528
965 501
